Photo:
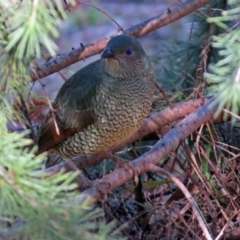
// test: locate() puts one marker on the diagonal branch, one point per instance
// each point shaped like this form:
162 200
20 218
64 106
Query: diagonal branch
63 60
161 149
187 195
156 121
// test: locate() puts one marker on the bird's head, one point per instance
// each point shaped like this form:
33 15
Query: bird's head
125 57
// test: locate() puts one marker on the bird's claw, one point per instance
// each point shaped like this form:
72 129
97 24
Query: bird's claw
127 165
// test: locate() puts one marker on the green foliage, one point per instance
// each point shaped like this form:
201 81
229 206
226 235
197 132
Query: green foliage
26 29
41 205
33 206
225 74
184 63
182 57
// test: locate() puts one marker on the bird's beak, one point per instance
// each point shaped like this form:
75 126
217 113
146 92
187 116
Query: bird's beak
107 53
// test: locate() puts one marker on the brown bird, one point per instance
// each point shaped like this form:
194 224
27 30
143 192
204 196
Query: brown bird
102 104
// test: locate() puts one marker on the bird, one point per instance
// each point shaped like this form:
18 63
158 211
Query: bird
102 104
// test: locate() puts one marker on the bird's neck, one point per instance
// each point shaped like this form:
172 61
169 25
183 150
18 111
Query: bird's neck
123 70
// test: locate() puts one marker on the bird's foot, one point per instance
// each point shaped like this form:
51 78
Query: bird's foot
85 183
102 187
127 165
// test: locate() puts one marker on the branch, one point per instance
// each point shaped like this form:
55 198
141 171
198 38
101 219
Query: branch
187 195
234 234
156 121
161 149
63 60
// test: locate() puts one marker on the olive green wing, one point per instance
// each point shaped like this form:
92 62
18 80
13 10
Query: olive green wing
72 110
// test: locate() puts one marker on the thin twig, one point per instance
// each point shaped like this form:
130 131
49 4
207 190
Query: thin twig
104 12
187 195
231 113
156 121
25 113
164 95
64 60
62 75
161 149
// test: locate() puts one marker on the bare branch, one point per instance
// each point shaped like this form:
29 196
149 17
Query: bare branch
158 151
156 121
63 60
104 12
188 197
234 234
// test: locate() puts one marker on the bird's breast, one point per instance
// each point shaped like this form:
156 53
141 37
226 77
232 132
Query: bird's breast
121 106
119 109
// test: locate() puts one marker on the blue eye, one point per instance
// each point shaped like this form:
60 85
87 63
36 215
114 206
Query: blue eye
129 51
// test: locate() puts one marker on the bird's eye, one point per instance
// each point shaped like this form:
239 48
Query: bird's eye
129 51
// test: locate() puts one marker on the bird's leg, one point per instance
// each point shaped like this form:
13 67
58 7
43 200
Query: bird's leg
164 95
85 183
119 162
101 186
52 159
72 165
126 164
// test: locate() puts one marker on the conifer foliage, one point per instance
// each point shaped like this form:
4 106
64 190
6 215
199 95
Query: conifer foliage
32 206
206 62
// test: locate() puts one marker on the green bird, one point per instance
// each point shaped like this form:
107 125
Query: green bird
102 104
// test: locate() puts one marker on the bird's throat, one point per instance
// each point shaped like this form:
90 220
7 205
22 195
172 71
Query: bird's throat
118 69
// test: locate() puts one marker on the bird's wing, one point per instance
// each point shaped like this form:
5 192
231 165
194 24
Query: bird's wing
72 110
